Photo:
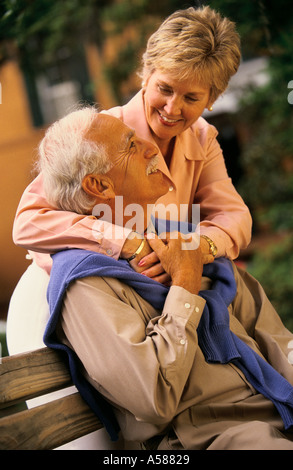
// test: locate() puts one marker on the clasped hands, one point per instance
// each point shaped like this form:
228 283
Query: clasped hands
171 258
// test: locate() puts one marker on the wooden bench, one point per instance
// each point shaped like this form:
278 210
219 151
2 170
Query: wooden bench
29 375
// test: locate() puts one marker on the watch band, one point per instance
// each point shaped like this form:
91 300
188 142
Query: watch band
213 248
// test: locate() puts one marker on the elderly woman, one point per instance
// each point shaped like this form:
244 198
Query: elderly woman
187 65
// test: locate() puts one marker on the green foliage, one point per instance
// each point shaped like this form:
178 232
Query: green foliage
143 15
266 158
273 267
267 155
43 27
259 22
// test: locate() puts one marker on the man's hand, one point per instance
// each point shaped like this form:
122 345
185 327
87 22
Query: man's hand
184 266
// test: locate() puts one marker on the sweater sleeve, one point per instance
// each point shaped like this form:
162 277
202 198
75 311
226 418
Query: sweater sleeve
255 312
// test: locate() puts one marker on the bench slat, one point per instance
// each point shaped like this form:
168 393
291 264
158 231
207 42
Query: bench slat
31 374
48 426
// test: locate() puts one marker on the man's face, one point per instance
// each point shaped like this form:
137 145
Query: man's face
134 174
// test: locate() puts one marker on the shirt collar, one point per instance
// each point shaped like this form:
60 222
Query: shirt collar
188 144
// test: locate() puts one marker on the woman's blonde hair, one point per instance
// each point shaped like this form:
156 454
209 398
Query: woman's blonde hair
195 43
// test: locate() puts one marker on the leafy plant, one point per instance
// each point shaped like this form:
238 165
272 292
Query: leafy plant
273 267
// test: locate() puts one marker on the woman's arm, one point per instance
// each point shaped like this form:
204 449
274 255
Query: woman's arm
225 218
40 227
43 229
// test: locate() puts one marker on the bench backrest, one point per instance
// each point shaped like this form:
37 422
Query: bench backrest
29 375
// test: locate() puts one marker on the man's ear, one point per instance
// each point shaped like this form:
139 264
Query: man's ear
98 186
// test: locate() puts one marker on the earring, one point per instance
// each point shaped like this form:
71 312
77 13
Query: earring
210 108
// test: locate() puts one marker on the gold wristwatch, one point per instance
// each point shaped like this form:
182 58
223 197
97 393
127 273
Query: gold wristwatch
213 248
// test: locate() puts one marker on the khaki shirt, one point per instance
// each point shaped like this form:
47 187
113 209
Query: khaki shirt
149 365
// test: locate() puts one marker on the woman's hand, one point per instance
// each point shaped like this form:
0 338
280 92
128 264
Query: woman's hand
146 262
153 268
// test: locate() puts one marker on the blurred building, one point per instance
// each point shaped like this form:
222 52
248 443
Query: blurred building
18 140
28 104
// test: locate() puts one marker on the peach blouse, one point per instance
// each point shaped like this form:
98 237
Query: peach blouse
198 174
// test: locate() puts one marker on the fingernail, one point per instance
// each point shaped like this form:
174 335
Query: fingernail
141 263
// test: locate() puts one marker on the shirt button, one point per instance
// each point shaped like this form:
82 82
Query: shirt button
171 188
109 252
98 235
182 341
196 309
187 305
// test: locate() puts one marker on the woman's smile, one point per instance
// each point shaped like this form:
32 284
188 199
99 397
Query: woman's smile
172 105
168 121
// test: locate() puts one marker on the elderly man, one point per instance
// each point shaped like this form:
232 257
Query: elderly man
190 366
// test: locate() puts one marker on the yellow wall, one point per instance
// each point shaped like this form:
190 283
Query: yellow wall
18 141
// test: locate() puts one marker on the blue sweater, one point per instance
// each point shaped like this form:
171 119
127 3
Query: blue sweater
218 343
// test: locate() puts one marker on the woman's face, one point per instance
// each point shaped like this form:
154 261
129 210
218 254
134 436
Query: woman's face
173 105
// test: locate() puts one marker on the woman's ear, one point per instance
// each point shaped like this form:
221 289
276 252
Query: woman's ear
99 187
209 105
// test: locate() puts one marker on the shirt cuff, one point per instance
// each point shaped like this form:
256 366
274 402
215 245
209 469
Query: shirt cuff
181 302
110 237
222 241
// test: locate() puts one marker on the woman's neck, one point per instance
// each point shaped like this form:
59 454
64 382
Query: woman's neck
166 148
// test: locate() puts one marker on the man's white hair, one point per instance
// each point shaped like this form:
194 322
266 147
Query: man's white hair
66 156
